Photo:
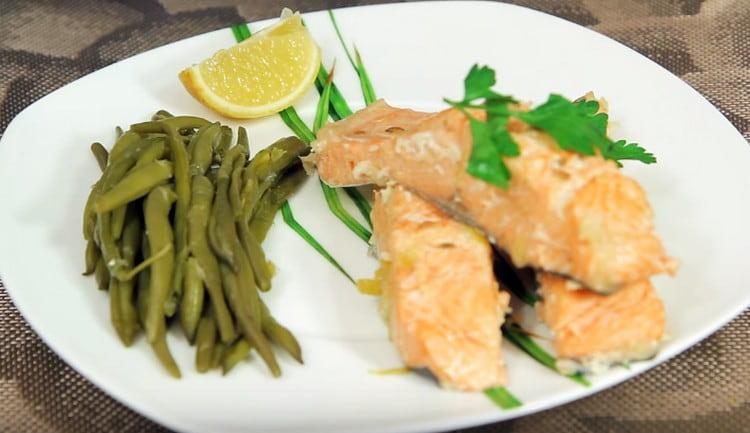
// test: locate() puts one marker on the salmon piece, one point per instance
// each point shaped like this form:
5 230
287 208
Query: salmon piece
596 330
440 297
563 212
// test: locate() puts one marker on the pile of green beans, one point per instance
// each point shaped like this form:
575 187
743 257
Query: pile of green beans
173 231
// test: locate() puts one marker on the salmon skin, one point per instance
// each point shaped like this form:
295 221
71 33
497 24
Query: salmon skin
563 212
592 331
439 295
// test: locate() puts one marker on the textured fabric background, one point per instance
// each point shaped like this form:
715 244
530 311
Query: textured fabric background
707 43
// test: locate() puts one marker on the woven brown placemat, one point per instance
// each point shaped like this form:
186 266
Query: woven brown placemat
46 44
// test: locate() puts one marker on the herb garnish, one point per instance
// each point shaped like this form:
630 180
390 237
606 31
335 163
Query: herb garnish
576 126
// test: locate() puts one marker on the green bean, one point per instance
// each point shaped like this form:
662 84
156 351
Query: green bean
118 221
205 342
250 329
130 243
101 154
157 149
115 311
279 335
284 152
170 305
101 275
144 282
243 141
115 171
122 311
108 247
182 188
161 115
130 273
89 216
159 231
246 279
265 169
221 226
224 143
230 155
237 352
252 193
171 126
249 295
257 257
218 354
156 135
201 149
191 303
135 185
198 217
221 230
118 132
161 350
131 238
92 257
123 143
271 202
235 186
119 167
270 162
251 171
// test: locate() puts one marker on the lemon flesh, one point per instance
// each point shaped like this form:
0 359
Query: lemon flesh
259 76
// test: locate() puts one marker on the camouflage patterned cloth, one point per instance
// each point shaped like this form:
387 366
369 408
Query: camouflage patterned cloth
705 42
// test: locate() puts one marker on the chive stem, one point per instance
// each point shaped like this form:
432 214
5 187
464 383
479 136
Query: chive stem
334 204
515 335
286 213
341 38
339 108
237 33
321 114
502 397
368 92
361 202
293 121
332 197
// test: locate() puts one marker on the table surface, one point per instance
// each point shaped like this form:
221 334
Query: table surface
46 44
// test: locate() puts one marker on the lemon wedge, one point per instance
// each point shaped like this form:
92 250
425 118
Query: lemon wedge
260 76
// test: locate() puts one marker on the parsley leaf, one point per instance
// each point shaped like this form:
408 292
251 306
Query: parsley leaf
598 120
485 161
478 83
501 138
621 150
491 139
570 124
477 86
576 126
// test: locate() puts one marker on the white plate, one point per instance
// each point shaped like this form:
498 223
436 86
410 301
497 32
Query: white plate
416 54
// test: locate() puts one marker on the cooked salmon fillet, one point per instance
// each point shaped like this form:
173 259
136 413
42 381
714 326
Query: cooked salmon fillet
563 212
596 330
440 298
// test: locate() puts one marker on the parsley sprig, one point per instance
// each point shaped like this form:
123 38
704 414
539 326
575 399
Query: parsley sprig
575 126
